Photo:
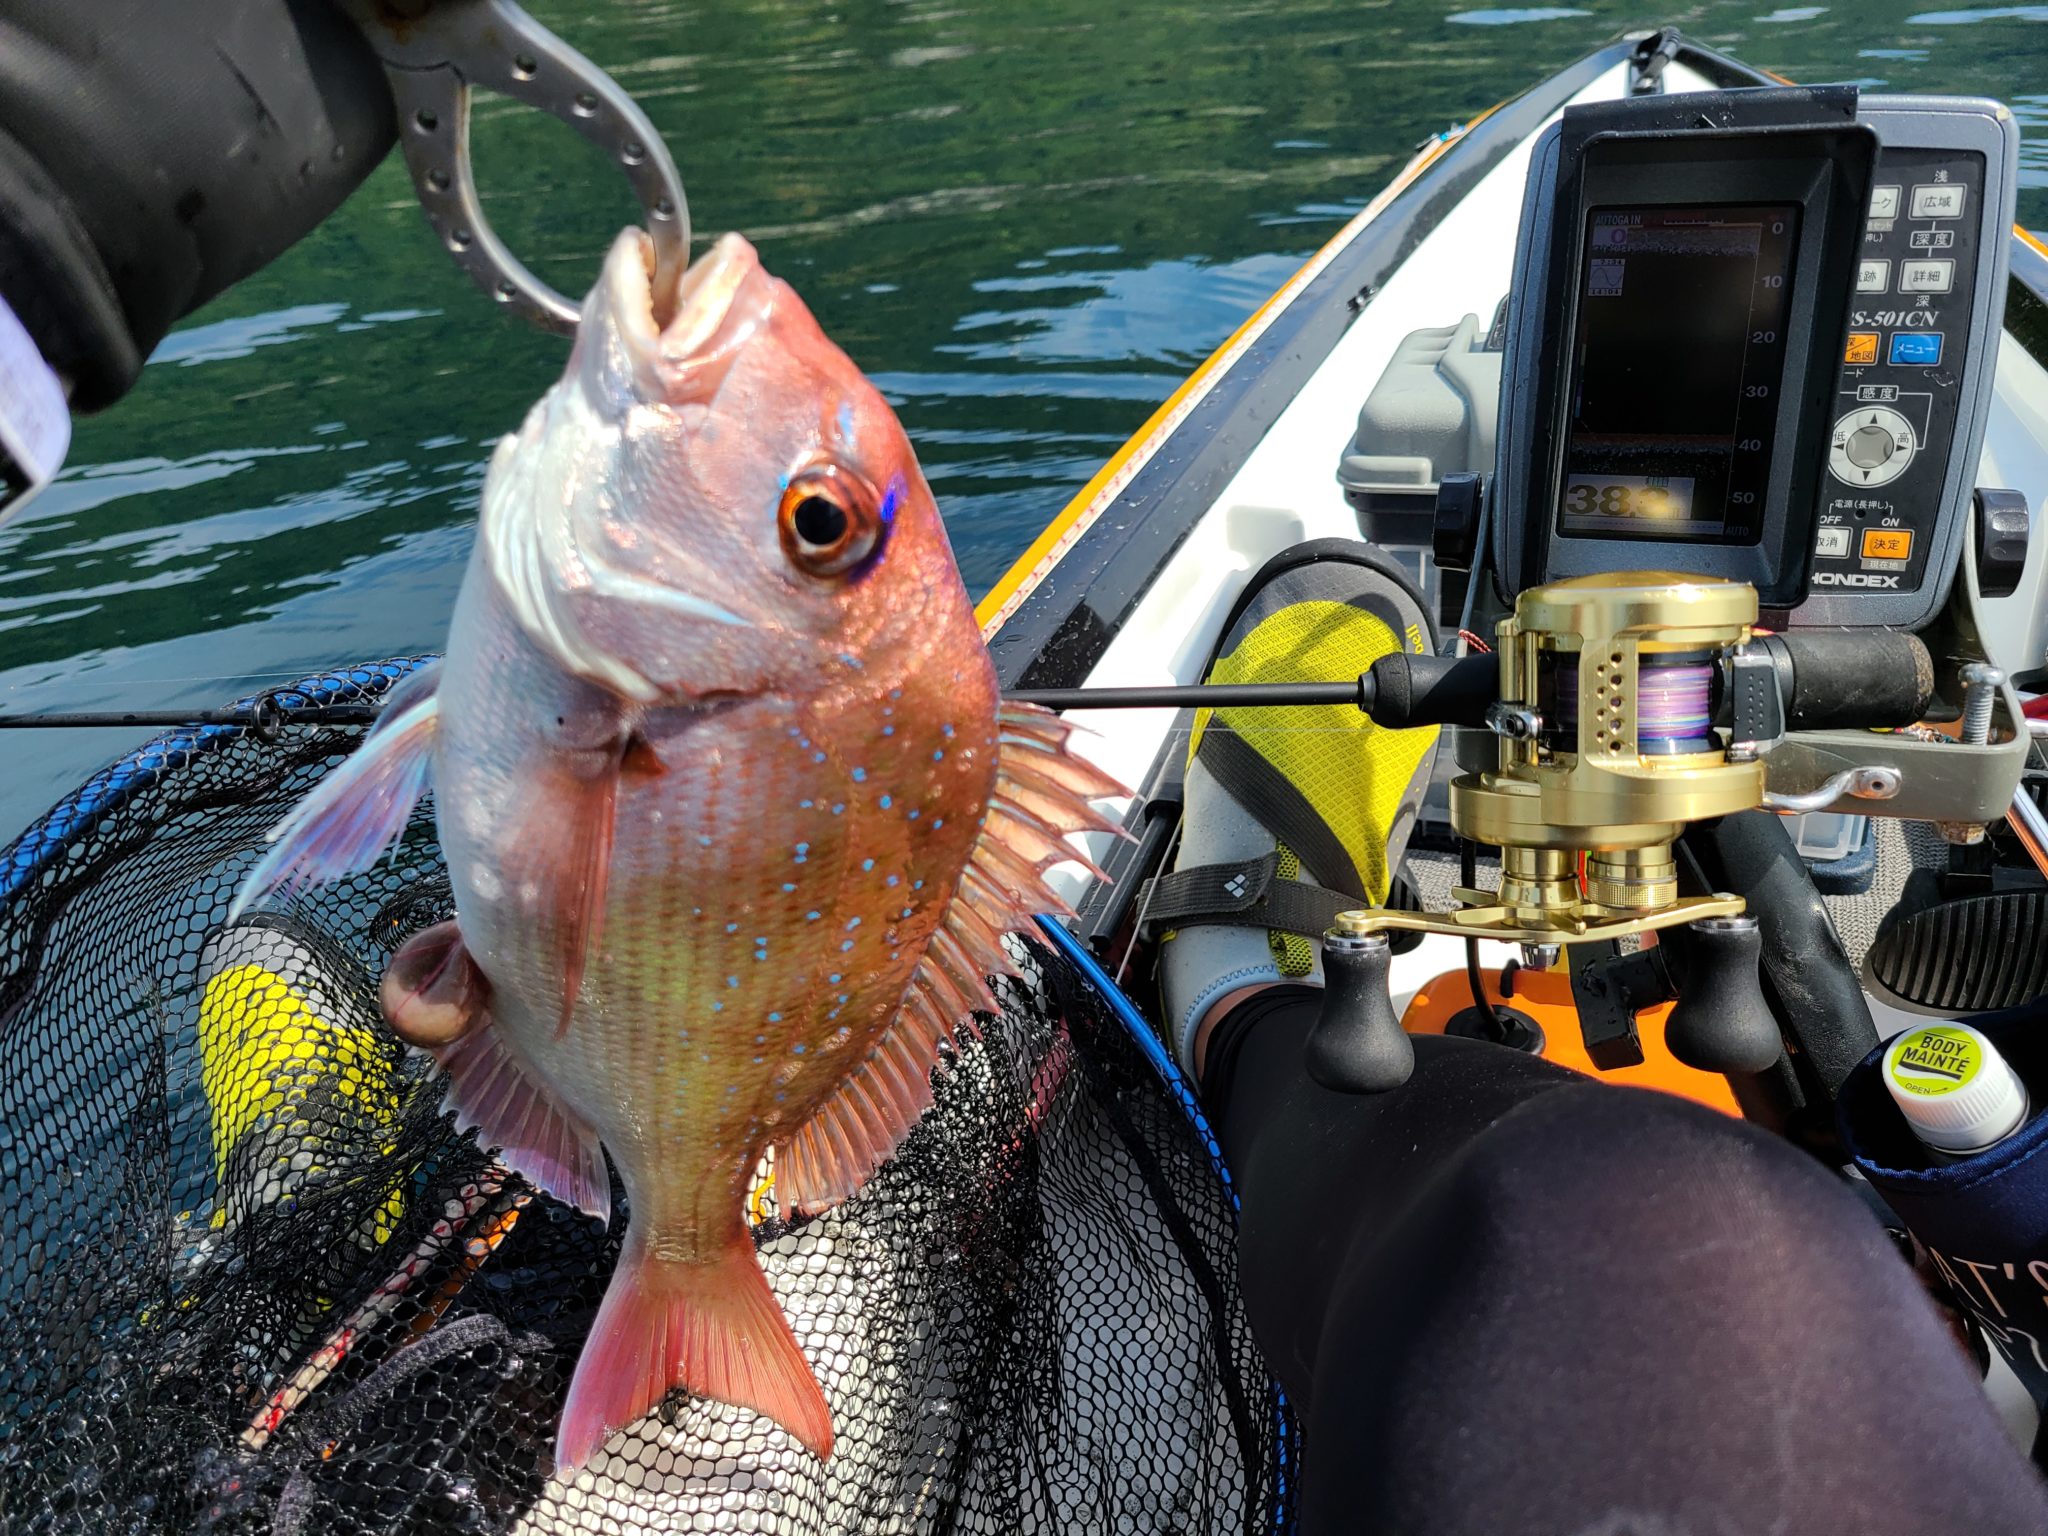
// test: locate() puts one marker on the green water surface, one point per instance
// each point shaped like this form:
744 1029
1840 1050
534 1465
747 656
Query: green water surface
1026 219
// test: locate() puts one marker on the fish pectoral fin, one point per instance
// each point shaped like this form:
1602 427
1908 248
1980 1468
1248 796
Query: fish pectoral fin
711 1327
1041 799
491 1092
564 854
358 811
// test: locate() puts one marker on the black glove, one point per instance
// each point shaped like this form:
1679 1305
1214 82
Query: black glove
154 152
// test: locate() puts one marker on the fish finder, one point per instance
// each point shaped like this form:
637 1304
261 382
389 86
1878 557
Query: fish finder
1751 335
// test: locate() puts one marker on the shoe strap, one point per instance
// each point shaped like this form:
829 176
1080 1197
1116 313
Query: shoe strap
1249 894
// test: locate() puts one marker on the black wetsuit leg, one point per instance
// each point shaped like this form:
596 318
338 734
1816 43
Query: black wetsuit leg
1505 1298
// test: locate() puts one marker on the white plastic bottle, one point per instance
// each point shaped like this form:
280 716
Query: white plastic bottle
1959 1095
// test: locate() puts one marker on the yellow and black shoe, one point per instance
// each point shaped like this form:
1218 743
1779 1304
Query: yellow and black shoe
1290 815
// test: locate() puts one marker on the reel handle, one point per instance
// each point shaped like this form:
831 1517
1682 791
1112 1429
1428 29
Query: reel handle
1721 1022
1357 1044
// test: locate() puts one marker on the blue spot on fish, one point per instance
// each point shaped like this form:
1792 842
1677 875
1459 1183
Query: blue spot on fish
812 917
938 822
817 757
892 499
888 730
915 814
833 977
732 927
718 1007
788 885
946 731
839 808
852 923
867 864
884 802
893 880
703 839
860 775
732 981
917 885
938 754
797 1049
846 420
805 805
845 945
774 1018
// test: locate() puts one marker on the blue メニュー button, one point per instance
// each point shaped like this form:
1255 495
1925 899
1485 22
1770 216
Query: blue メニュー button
1916 348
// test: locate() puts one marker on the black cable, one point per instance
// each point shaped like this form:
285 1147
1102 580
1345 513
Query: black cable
1468 875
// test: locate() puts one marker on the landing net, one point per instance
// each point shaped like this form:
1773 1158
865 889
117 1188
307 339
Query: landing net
251 1279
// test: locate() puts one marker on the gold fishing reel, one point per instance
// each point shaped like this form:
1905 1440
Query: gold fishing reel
1605 750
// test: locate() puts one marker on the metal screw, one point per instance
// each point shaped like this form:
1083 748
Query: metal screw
1517 722
1540 957
1981 682
1875 782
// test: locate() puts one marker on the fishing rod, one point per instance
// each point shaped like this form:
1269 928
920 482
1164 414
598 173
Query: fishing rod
1400 690
1820 681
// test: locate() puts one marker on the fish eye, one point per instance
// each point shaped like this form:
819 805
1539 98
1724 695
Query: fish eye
830 520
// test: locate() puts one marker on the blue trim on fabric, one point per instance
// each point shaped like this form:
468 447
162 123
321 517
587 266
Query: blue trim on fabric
78 813
1154 1051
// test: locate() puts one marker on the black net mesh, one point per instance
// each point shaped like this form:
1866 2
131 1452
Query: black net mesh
251 1279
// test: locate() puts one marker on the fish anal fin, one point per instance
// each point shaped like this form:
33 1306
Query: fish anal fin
358 811
491 1091
712 1327
860 1127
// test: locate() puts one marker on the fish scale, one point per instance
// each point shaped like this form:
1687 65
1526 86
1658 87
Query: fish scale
735 819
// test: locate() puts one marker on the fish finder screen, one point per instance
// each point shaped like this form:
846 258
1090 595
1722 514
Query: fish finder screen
1677 358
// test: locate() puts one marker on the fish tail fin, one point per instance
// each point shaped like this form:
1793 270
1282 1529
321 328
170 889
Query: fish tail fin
713 1328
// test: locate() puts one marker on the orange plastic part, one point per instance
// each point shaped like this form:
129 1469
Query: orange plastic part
1546 997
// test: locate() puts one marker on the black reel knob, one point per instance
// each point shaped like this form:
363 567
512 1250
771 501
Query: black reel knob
1721 1022
1358 1045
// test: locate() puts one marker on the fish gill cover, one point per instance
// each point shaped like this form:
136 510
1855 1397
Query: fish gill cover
252 1279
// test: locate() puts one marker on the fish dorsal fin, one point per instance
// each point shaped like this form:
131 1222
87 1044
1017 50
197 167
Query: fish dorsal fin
1041 797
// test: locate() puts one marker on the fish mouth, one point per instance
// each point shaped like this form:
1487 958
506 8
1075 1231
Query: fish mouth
679 336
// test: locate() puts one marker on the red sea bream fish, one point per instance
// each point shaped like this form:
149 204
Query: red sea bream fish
734 815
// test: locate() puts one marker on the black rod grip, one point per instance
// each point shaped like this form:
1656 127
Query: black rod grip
1843 679
1431 690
